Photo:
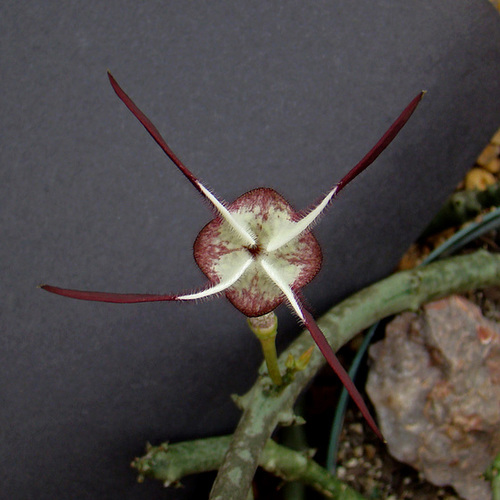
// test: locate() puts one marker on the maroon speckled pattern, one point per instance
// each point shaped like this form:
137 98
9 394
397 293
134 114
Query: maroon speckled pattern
304 252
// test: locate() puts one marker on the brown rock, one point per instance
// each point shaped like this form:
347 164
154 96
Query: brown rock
435 384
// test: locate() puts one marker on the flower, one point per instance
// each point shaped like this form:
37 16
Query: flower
258 250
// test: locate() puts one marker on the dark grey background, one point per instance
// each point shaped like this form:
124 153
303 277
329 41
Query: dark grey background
281 94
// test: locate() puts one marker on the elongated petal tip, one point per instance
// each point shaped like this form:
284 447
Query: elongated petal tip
116 298
420 96
112 80
155 134
383 142
334 363
152 130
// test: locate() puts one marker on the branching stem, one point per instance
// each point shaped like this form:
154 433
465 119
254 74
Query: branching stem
264 410
170 463
238 456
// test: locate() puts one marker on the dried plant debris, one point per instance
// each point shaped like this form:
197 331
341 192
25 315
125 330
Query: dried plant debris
435 384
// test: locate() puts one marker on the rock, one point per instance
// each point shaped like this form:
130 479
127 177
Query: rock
435 384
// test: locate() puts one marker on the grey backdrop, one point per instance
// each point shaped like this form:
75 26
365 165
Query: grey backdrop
281 94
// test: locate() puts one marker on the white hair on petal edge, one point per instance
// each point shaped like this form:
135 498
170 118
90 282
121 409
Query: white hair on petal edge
284 287
219 287
304 224
243 232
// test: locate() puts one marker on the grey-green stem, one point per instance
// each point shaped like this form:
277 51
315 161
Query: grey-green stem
264 409
170 463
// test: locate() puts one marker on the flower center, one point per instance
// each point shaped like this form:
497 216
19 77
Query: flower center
254 250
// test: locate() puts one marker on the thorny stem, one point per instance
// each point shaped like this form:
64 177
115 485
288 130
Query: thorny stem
263 411
265 329
170 463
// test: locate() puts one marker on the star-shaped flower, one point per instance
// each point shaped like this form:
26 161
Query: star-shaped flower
258 250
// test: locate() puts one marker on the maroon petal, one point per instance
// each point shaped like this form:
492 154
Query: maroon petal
307 218
306 317
118 298
383 142
153 131
333 361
